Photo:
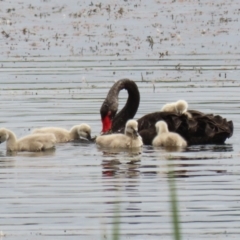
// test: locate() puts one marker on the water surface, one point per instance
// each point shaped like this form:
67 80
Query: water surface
58 60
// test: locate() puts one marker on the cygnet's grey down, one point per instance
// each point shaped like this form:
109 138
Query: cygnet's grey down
62 135
179 107
30 143
166 138
130 138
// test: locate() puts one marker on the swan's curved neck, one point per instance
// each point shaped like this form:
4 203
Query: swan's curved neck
110 120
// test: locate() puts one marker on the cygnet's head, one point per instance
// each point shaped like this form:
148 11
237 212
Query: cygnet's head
3 135
84 130
161 127
131 128
181 106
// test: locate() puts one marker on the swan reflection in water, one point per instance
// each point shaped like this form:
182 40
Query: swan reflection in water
48 152
189 164
127 163
185 162
120 178
9 160
121 162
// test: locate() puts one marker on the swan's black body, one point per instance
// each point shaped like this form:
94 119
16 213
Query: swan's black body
200 129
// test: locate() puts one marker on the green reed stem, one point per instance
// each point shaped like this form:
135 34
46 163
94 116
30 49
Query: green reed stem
174 203
116 223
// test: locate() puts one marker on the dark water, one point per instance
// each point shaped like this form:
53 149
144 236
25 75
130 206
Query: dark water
58 60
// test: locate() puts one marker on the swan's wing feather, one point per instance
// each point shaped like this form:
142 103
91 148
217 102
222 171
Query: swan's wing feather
148 121
200 129
148 135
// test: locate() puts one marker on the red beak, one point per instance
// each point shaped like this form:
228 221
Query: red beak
106 123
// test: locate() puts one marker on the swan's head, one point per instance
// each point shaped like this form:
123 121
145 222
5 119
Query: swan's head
161 127
132 128
84 130
110 119
108 112
181 106
3 135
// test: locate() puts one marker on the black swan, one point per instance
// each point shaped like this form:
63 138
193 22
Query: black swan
199 129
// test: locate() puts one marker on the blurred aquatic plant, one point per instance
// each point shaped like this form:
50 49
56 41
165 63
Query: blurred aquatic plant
173 202
116 223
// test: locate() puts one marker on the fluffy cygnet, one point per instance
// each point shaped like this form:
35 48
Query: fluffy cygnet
179 107
166 138
130 138
63 135
30 143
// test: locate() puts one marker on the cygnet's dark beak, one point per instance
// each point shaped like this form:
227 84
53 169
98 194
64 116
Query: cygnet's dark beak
135 133
93 139
89 137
